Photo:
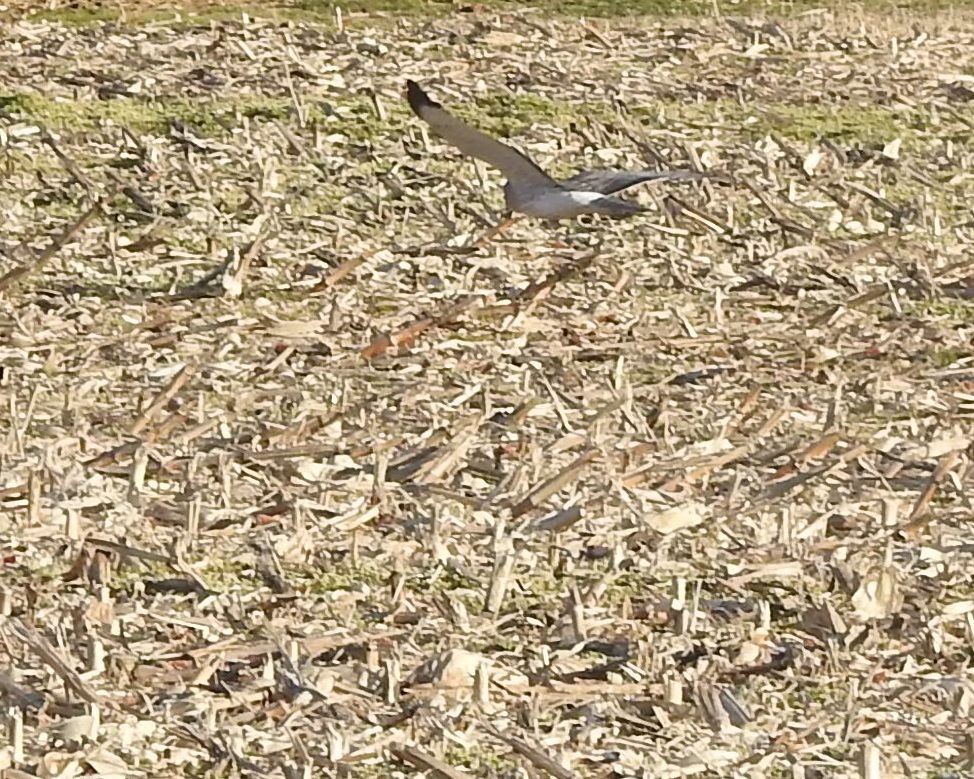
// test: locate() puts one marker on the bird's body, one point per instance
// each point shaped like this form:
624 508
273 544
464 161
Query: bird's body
561 203
529 190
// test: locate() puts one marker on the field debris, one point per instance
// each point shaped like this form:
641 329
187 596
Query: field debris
305 472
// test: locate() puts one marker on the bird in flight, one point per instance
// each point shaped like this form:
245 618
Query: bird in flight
529 190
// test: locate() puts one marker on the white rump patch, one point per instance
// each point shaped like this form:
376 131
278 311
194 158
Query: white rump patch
584 198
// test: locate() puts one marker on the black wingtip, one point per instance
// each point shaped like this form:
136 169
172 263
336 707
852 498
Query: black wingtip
417 98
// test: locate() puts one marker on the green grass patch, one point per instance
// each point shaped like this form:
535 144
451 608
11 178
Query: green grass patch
843 122
353 117
507 116
339 576
181 15
483 761
957 310
323 11
596 8
207 116
628 8
510 115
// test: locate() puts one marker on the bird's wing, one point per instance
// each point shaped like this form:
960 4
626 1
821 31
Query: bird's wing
613 206
608 182
517 167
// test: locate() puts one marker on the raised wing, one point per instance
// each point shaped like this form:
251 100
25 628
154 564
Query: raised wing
608 182
517 167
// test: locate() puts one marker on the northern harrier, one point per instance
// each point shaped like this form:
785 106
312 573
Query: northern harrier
529 190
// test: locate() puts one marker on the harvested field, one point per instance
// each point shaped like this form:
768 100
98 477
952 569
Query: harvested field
300 477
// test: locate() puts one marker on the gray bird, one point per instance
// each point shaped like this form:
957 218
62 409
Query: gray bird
529 190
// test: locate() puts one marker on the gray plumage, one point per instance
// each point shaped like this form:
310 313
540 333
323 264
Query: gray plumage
608 182
529 190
